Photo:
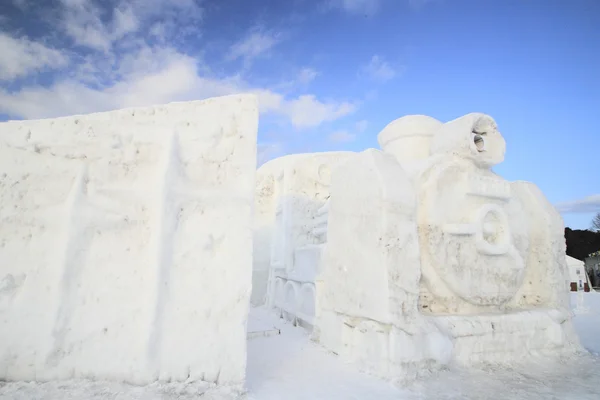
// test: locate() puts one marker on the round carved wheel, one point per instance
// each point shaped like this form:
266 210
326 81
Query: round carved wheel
467 235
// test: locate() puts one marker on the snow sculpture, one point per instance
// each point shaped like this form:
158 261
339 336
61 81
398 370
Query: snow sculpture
409 138
290 227
126 243
466 231
368 300
432 258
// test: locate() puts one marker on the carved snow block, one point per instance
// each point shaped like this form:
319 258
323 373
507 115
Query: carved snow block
494 275
290 230
126 243
369 288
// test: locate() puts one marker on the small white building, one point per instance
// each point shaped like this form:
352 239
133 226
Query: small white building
579 277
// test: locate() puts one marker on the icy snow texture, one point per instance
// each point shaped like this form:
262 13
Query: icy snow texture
291 367
290 227
408 138
418 255
368 299
432 258
126 243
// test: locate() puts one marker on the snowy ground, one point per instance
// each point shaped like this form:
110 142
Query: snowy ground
289 366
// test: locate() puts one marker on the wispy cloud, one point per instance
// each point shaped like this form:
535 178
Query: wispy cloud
124 21
307 111
589 204
88 23
21 57
379 70
307 75
116 57
348 135
155 77
299 81
255 44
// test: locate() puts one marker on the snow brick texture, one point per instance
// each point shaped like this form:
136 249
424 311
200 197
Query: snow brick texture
126 243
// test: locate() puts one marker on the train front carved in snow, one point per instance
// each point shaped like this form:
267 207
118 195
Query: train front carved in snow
415 254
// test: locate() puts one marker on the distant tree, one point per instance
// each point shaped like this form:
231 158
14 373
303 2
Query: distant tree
596 223
580 243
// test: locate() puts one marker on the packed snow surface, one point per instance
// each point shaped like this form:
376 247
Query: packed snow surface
126 245
289 366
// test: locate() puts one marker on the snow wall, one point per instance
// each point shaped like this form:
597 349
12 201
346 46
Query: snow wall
126 243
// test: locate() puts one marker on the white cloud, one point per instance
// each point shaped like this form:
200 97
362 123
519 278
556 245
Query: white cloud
306 111
124 21
156 76
83 20
589 204
379 70
307 75
256 43
301 79
119 68
21 56
342 137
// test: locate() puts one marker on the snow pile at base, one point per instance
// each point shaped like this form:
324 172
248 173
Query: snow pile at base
126 243
84 390
587 322
290 366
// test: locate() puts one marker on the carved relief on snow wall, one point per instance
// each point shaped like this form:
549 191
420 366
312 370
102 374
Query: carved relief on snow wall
290 232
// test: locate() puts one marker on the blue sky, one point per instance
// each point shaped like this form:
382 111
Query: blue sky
330 74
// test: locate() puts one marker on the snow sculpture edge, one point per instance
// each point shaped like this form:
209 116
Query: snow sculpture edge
128 237
430 257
